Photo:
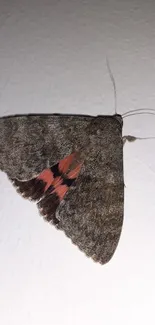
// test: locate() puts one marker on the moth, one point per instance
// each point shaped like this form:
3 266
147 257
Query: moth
72 166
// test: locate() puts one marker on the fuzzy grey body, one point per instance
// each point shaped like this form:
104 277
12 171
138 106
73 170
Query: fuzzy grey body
92 212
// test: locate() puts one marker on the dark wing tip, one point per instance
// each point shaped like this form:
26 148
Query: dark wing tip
32 189
48 206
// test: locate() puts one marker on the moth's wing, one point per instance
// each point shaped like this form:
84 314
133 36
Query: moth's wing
36 187
91 214
32 190
36 190
50 186
31 143
60 186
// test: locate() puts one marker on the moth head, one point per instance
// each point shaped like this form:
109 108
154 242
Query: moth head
119 118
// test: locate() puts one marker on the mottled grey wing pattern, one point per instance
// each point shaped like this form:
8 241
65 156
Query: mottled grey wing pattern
92 212
31 143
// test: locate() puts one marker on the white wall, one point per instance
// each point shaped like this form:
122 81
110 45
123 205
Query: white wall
53 59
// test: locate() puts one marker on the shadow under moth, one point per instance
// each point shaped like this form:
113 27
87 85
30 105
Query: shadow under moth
72 166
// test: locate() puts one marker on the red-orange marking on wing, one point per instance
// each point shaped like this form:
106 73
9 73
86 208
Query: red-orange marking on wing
75 172
47 177
61 190
65 163
57 181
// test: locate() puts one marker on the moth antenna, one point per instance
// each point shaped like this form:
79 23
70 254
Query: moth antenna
139 113
113 83
146 110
